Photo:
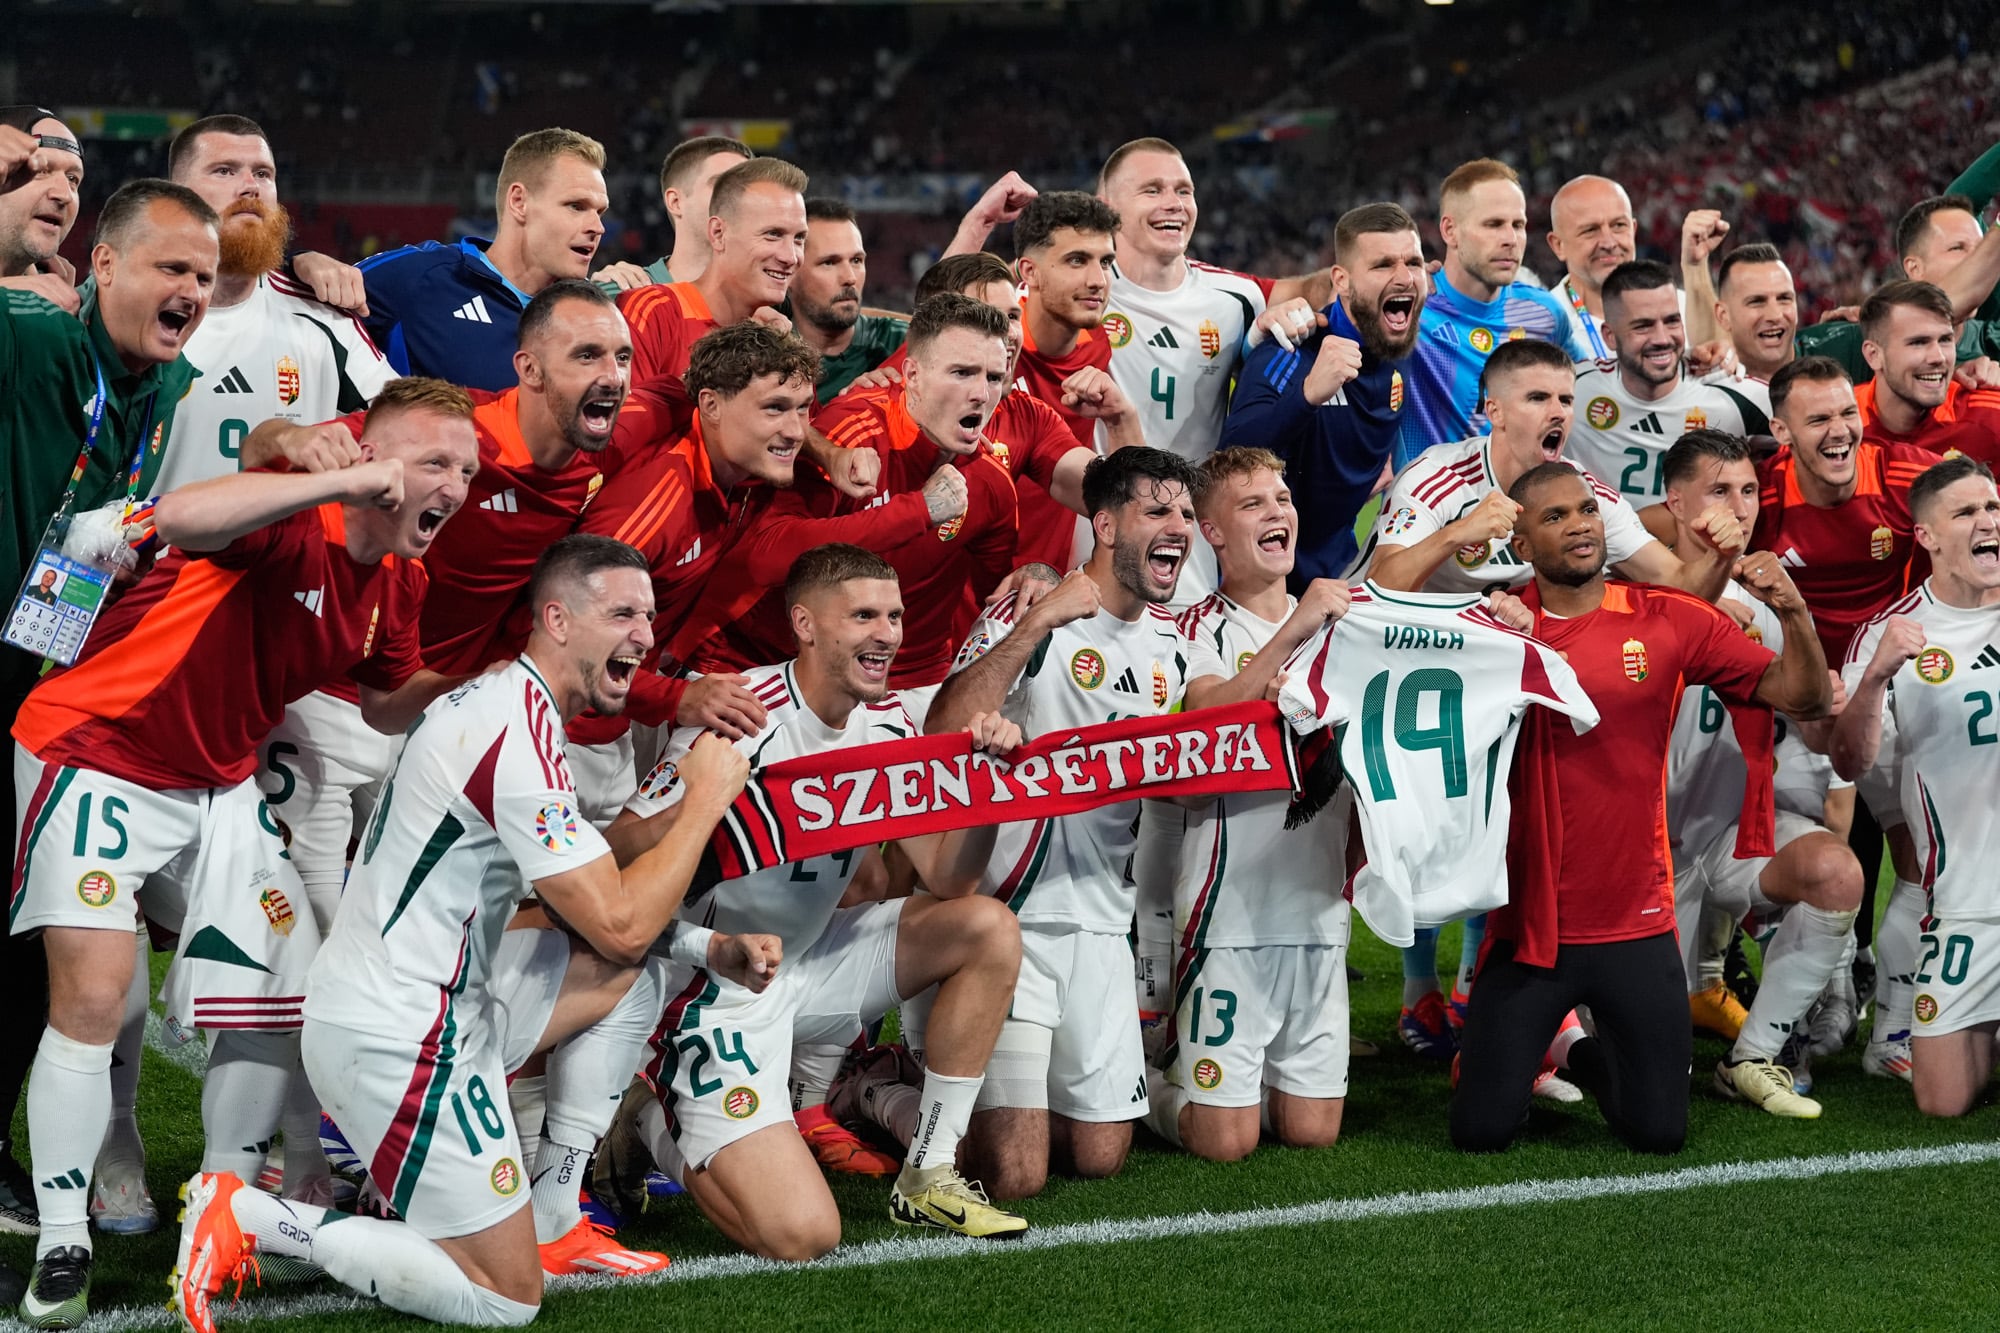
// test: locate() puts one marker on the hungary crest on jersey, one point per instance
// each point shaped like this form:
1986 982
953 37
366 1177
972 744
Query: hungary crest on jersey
289 381
1633 654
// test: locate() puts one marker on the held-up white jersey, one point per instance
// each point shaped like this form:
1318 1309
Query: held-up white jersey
1624 439
1427 693
480 805
792 901
1175 353
1946 705
1445 482
278 353
1071 871
1244 880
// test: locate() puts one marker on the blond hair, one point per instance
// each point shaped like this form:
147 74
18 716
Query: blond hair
1223 464
529 158
1474 173
420 393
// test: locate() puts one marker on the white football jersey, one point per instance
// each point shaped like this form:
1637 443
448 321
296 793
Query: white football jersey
1427 693
1244 880
278 353
1445 482
1755 395
1175 353
792 901
1624 439
1705 769
1946 706
479 806
1588 329
1071 871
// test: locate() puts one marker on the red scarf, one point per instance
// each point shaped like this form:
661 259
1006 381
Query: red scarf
824 803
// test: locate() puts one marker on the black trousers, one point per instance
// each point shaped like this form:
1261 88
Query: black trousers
1637 1065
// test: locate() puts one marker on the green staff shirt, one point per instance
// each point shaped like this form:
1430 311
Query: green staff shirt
1841 340
876 337
47 381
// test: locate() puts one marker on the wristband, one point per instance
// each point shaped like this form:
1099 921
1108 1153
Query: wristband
689 944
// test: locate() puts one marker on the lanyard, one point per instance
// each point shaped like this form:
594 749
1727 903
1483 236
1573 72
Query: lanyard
1589 324
138 465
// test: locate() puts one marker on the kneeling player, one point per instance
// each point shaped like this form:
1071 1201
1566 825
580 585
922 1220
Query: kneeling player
1911 666
1813 882
1261 974
134 769
422 1001
723 1122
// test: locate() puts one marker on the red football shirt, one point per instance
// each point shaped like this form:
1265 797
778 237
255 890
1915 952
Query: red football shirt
666 321
1634 656
1852 559
187 673
1048 531
1967 421
480 561
946 571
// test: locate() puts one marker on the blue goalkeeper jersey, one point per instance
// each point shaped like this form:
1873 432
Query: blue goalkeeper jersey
1455 336
443 309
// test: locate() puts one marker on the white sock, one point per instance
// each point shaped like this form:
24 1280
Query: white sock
814 1065
385 1260
1800 959
1896 961
588 1075
893 1106
1164 1100
558 1180
69 1105
943 1113
528 1099
242 1097
305 1159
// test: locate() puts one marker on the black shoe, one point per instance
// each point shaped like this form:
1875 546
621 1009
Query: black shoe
1736 972
58 1293
18 1213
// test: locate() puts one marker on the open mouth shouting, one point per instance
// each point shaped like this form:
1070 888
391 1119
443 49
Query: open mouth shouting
1398 312
1163 562
597 415
1552 444
173 320
620 669
1986 554
429 521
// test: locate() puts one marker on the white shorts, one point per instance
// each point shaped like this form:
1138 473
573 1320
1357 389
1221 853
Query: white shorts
1715 877
1269 1017
210 866
606 777
1958 976
321 771
427 1109
1077 984
721 1056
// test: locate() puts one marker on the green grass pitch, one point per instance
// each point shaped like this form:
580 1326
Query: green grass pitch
1912 1248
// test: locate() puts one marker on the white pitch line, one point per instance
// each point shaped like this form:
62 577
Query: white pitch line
918 1248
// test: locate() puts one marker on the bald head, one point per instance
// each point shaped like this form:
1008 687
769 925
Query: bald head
1591 229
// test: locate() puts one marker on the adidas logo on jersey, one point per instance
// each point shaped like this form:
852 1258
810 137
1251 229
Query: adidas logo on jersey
310 600
1127 682
1989 656
693 552
1164 338
234 382
1791 559
474 310
503 502
1648 425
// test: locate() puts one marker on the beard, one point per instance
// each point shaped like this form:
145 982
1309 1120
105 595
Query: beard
256 250
1568 575
1375 339
1129 567
830 318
